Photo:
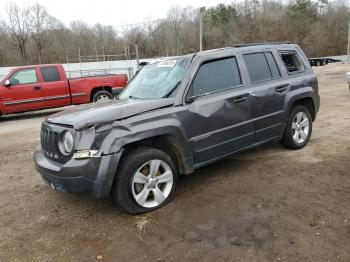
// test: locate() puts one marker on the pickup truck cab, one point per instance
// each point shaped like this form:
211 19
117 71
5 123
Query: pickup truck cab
35 87
178 115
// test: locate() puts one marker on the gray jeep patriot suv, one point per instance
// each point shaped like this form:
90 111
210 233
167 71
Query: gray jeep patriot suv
177 115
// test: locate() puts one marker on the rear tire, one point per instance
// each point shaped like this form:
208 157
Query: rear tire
299 128
138 189
102 95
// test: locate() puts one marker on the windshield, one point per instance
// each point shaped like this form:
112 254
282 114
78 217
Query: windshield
158 80
3 73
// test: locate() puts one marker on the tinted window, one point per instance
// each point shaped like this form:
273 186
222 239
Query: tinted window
275 72
215 76
292 61
50 74
25 76
261 66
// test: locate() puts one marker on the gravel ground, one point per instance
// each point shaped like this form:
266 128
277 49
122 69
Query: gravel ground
269 204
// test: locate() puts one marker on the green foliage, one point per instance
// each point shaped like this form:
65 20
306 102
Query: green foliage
307 7
302 8
322 2
220 14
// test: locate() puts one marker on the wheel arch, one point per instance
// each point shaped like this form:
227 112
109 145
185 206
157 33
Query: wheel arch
167 143
304 98
307 102
99 88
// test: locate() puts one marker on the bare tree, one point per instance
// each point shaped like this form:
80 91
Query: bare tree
40 24
319 26
174 21
17 26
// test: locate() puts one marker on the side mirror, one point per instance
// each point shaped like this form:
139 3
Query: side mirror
7 83
190 99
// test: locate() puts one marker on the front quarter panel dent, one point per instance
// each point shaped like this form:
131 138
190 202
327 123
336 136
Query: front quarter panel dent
118 137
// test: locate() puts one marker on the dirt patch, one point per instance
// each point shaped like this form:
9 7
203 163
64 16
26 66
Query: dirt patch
269 204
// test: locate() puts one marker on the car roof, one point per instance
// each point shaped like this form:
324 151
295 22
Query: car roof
31 66
237 47
247 47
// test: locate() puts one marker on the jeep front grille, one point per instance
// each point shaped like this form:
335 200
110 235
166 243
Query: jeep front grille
50 139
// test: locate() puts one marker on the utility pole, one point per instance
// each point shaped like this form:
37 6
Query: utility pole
201 12
348 43
96 53
79 55
126 51
137 56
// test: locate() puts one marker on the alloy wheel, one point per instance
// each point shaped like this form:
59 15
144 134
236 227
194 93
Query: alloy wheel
300 127
152 183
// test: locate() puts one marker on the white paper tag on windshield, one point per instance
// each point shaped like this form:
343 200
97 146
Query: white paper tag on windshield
167 63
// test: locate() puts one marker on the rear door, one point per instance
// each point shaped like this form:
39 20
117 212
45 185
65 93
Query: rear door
217 121
25 92
268 92
56 88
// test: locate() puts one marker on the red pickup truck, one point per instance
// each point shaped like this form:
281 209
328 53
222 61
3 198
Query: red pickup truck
28 88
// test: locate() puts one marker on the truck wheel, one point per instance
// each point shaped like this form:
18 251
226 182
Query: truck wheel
101 96
145 181
299 127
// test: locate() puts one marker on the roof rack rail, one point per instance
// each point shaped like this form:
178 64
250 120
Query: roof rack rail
256 44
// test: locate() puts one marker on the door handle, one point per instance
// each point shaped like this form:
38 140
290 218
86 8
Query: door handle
281 88
37 87
240 99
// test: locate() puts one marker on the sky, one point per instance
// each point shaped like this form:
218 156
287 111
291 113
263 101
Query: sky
110 12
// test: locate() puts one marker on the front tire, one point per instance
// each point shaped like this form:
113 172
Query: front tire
299 128
145 181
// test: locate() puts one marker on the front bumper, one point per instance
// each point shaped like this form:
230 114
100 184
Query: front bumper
93 175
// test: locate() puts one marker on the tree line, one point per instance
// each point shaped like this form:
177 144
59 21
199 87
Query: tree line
30 35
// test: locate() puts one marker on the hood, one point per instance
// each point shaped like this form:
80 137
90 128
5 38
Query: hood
97 113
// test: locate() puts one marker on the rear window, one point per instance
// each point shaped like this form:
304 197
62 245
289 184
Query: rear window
261 66
50 74
216 76
292 61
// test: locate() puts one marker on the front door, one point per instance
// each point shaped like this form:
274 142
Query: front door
25 92
218 118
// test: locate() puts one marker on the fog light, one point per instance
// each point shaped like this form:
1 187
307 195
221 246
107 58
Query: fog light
86 154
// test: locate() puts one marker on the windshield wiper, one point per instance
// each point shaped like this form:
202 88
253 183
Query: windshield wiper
172 90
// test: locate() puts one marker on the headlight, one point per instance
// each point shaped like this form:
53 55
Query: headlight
68 142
